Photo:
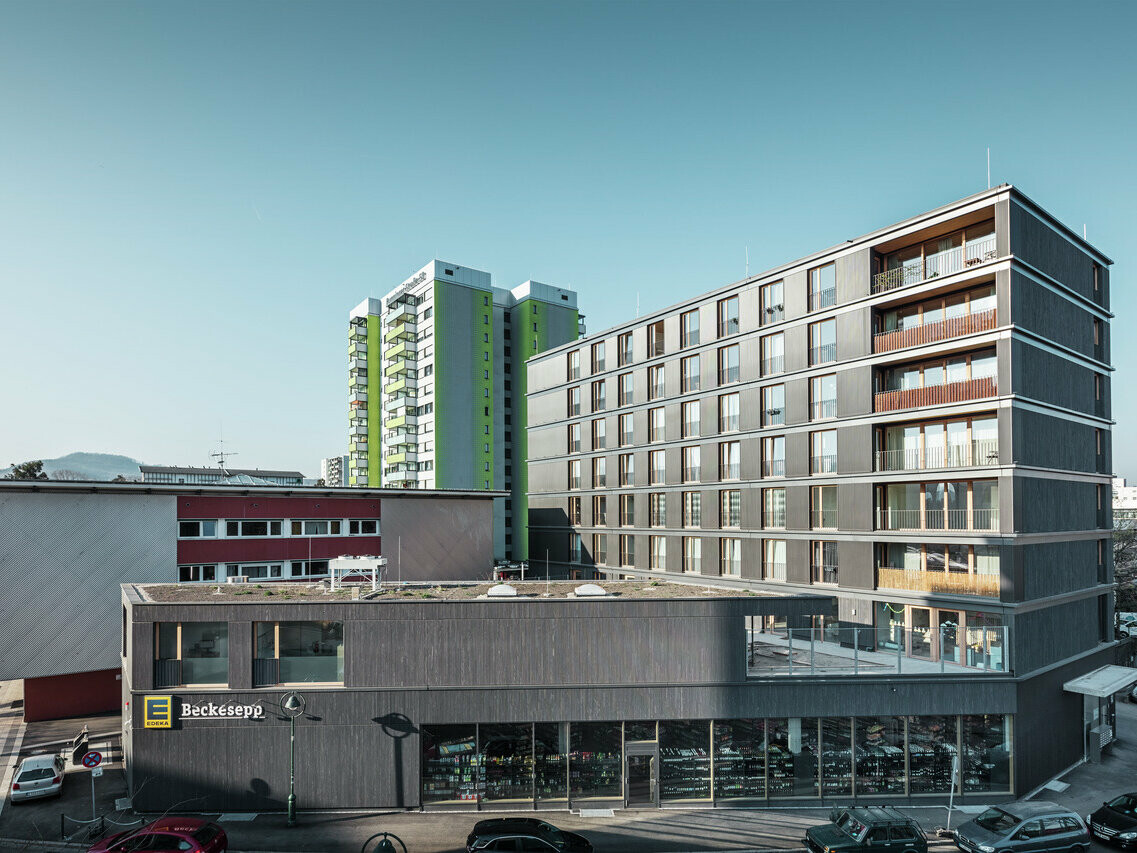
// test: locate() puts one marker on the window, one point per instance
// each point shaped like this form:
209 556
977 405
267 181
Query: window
574 438
600 511
730 508
656 467
600 548
823 452
822 342
773 305
823 507
598 362
626 392
730 460
624 349
691 419
692 555
689 374
774 456
773 405
657 509
1097 332
193 574
574 474
774 507
316 528
822 287
730 557
954 443
728 364
951 505
823 397
574 402
692 509
689 328
574 547
574 365
252 528
298 652
626 431
658 556
627 510
728 413
655 424
574 510
191 529
774 559
728 316
627 469
599 395
599 472
599 434
939 372
655 339
773 354
691 460
655 388
627 550
191 653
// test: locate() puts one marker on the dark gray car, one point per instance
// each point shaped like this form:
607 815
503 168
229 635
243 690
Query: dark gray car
1024 828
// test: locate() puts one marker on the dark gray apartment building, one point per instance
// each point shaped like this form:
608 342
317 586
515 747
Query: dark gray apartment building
914 424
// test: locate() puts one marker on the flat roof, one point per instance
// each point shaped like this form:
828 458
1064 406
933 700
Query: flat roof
1102 682
220 472
313 593
97 486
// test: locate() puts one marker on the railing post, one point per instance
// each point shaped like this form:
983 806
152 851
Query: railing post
899 648
811 665
856 649
943 667
790 637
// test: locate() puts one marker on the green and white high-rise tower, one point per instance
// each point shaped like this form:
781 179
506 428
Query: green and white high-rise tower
437 386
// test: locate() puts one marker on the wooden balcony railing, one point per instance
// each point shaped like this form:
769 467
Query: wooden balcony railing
935 395
952 582
929 333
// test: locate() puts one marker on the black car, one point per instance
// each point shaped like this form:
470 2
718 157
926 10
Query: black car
870 829
1116 821
524 834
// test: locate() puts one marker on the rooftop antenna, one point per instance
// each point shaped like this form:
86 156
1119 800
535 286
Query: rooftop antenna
221 454
988 167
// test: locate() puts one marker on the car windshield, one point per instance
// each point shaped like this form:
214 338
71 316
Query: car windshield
34 774
1126 804
551 831
997 820
207 833
851 825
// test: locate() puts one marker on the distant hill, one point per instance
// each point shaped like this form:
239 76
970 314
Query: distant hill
88 466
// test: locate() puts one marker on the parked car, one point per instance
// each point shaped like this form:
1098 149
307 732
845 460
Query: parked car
1023 827
1128 627
173 834
524 834
867 829
38 776
1116 821
1133 693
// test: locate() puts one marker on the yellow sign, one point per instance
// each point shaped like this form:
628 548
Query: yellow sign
157 711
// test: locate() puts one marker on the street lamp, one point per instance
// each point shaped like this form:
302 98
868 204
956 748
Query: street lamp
292 705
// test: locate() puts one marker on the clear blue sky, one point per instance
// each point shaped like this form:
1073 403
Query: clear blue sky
194 195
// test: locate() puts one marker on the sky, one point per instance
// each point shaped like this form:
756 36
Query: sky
193 196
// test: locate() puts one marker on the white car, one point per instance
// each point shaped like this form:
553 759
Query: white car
38 776
1129 628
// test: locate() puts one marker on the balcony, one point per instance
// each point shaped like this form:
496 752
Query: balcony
936 264
823 519
822 354
938 520
358 331
356 347
400 365
826 463
403 383
357 363
358 379
915 580
773 467
981 453
821 410
403 330
773 364
935 395
821 573
359 395
358 428
929 333
359 445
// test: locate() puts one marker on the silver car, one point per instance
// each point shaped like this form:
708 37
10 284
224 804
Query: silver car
38 776
1028 827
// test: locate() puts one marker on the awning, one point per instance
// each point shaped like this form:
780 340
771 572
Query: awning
1102 682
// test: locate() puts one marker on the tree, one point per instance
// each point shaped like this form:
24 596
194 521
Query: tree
68 474
320 482
119 478
27 471
1125 563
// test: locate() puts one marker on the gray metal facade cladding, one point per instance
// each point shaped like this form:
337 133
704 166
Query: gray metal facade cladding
1049 456
410 665
63 558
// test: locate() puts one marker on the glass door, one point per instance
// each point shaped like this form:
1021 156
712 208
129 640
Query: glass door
920 637
640 775
950 649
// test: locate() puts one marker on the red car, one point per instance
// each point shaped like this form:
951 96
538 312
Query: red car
168 835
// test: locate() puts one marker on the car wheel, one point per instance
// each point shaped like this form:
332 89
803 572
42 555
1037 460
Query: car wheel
1081 848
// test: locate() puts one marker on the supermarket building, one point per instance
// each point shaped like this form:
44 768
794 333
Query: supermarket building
650 695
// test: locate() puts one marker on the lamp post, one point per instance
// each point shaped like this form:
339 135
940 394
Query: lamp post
292 705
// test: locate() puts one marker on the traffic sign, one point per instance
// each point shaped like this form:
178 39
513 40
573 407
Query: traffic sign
92 759
96 772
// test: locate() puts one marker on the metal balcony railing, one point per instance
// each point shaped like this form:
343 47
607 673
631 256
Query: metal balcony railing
691 474
824 464
950 519
773 364
916 580
774 314
979 453
822 409
773 467
823 354
822 298
728 375
929 333
935 395
936 265
774 518
823 519
823 573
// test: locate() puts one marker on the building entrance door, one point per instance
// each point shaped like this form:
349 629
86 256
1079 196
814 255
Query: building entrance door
640 776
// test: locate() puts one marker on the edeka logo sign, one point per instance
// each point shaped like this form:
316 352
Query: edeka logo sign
157 712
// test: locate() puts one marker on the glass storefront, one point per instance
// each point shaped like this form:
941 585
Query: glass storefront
556 765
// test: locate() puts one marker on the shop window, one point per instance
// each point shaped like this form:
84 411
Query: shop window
836 757
594 761
985 757
740 759
880 755
931 748
450 766
506 754
792 758
296 652
685 760
191 653
550 767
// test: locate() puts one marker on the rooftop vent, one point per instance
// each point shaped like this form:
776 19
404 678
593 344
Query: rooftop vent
502 590
589 590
